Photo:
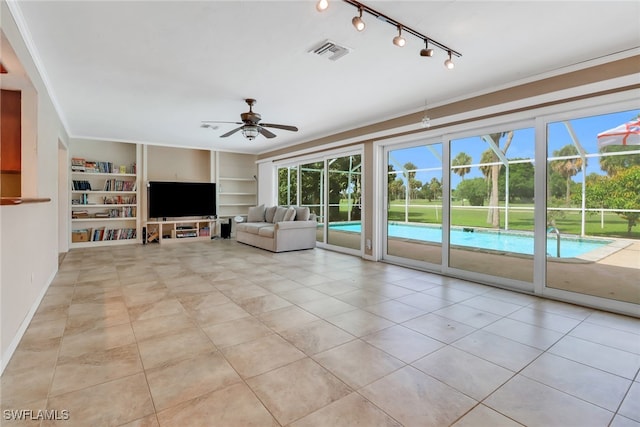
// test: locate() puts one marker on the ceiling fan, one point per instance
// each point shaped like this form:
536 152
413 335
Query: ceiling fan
251 125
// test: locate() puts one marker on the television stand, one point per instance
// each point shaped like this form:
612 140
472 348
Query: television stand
180 231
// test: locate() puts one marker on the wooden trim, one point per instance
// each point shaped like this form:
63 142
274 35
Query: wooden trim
597 73
12 201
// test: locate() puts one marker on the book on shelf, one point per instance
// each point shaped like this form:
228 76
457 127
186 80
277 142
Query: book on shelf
79 214
81 185
77 164
119 185
119 200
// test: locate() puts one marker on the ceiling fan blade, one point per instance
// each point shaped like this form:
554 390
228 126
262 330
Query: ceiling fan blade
284 127
216 121
266 133
231 132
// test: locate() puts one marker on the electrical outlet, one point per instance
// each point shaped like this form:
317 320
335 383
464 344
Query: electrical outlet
369 244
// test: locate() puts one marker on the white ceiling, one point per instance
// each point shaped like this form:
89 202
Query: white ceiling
151 71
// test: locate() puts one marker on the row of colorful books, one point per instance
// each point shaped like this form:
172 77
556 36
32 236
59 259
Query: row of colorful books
124 212
79 164
119 185
119 200
103 234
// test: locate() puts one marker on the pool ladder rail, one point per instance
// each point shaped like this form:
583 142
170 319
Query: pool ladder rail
555 230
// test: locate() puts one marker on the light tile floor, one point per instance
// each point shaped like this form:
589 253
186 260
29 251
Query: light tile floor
222 334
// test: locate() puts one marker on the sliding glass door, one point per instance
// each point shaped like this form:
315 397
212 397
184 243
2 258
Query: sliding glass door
414 203
344 189
559 218
492 195
331 187
593 206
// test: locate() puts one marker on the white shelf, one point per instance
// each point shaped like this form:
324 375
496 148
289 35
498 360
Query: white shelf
237 179
120 218
103 243
98 200
101 174
237 194
110 205
102 192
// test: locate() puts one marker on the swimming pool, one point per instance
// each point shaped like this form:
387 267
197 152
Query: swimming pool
507 241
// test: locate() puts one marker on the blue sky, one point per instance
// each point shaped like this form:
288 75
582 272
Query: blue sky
522 146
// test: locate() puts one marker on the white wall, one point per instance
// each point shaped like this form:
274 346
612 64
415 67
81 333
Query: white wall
29 232
178 164
267 184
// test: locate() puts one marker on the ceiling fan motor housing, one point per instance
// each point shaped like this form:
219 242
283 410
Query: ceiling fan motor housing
250 117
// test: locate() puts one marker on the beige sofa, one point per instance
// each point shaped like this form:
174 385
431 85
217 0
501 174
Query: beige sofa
278 228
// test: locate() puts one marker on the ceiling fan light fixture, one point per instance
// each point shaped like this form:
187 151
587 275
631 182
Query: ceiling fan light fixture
399 40
322 5
357 21
250 132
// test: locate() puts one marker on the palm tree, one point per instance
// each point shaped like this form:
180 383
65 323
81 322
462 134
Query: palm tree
462 159
567 168
410 177
614 164
492 172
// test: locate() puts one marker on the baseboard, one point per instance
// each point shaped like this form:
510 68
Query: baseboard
369 257
8 354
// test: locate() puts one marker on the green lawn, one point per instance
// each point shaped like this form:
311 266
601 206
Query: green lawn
425 212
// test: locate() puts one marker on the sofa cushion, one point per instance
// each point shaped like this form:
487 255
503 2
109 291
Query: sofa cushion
302 213
256 214
252 227
280 213
290 215
266 231
269 213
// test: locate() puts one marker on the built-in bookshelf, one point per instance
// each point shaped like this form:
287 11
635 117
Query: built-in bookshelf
104 202
236 184
179 231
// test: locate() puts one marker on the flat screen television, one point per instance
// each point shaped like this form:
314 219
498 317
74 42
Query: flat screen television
181 199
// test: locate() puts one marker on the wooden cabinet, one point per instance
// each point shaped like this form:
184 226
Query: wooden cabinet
179 231
11 133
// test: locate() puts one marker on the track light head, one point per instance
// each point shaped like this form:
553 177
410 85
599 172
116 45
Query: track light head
426 51
322 5
357 21
449 63
399 40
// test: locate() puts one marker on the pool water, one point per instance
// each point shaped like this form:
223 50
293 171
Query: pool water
570 247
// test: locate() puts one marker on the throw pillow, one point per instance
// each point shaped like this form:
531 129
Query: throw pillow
256 214
269 213
280 213
302 213
290 215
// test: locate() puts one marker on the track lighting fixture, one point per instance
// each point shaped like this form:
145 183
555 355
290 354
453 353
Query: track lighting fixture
426 51
449 63
398 40
322 5
358 22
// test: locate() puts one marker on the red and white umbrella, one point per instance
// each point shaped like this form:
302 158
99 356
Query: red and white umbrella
625 134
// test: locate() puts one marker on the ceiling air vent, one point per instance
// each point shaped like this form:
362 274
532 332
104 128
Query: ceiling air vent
330 49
